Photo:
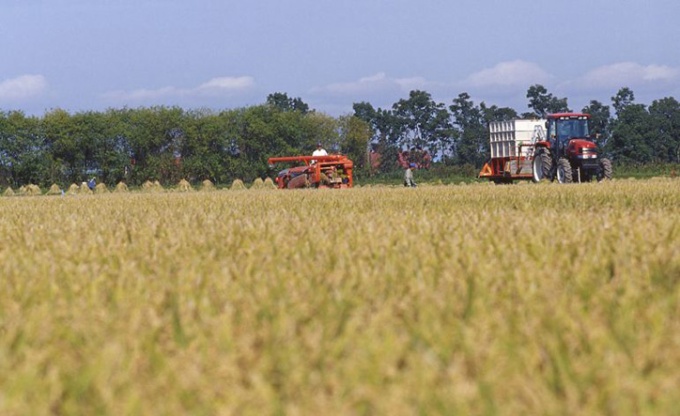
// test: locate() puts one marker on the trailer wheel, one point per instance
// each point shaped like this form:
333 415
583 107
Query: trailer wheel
564 174
541 166
605 172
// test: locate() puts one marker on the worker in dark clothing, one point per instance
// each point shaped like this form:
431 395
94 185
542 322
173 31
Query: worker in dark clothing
92 183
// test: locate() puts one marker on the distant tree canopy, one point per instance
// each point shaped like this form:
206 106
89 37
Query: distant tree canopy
284 103
170 143
543 103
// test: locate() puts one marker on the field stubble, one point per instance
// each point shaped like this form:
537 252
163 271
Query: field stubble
451 299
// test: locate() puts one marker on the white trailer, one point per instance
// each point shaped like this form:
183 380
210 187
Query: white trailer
512 149
513 138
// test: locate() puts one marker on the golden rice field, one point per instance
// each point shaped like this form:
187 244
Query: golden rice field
467 299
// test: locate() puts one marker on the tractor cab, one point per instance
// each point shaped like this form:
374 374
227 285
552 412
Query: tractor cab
570 137
562 128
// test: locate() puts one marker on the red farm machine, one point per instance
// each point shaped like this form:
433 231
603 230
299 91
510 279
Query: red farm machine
332 171
559 147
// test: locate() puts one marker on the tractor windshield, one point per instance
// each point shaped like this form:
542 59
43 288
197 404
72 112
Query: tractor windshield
569 128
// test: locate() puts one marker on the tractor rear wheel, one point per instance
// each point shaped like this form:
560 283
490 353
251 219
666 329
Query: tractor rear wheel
605 172
564 174
541 166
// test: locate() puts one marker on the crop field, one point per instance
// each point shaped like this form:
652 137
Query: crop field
465 299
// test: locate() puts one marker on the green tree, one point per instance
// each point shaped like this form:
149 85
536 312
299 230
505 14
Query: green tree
384 125
61 133
600 121
205 147
632 133
319 128
298 131
114 151
495 113
543 103
354 137
473 141
422 122
281 101
261 138
665 119
101 150
386 133
154 138
365 111
24 152
623 98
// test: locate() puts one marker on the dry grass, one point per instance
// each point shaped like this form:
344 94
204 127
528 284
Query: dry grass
238 185
54 190
150 186
32 190
184 186
437 300
121 187
73 189
207 186
269 184
258 183
101 188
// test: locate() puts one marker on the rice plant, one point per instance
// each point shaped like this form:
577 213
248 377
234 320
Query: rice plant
474 299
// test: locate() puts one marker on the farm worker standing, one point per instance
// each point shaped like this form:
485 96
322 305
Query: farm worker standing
408 176
320 151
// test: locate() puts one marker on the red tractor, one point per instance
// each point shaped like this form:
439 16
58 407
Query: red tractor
523 149
332 171
569 153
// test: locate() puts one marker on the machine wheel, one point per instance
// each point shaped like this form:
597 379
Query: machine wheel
564 174
541 166
605 172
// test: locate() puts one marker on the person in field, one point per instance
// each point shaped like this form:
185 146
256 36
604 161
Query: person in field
320 151
408 176
92 183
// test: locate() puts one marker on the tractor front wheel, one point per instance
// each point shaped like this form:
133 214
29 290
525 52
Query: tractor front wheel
541 166
564 174
605 172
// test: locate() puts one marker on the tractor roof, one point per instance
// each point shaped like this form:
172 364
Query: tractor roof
570 115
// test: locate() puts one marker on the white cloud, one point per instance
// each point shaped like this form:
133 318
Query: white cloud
215 87
226 84
516 73
380 89
629 74
377 83
142 94
22 87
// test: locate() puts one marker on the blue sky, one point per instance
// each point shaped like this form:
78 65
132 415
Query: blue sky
82 55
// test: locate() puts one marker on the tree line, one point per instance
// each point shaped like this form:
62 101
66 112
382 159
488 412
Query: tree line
169 143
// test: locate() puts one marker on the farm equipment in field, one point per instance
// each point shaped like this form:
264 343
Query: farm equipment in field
523 149
332 171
